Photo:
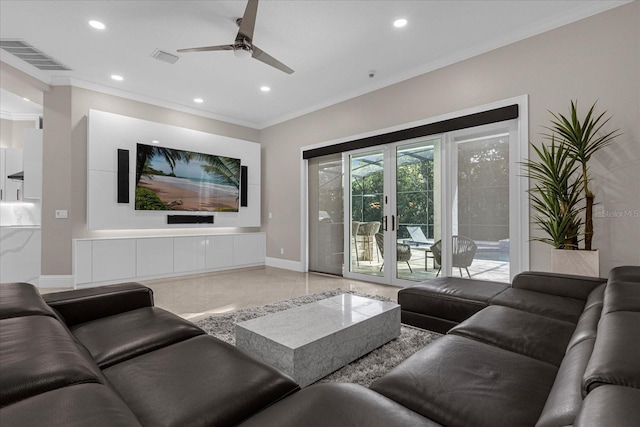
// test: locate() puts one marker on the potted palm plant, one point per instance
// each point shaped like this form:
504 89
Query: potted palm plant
561 190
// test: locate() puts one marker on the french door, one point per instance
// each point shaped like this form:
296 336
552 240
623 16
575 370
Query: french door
438 205
391 201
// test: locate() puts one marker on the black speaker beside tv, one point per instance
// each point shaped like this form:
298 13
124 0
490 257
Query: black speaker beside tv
244 173
123 176
189 219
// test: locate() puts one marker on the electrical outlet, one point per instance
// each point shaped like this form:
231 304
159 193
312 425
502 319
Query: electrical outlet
62 214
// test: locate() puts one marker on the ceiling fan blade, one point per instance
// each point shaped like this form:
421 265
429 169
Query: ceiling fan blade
248 22
263 56
206 48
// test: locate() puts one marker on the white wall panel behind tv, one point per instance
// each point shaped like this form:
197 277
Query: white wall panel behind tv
108 132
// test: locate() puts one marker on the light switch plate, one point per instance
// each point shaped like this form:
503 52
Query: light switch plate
62 214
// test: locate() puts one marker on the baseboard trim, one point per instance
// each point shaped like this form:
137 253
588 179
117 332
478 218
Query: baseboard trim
285 264
59 281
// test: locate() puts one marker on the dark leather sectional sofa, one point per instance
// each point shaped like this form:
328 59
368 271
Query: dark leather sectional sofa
560 351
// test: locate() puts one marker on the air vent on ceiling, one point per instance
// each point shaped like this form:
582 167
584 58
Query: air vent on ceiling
163 56
31 55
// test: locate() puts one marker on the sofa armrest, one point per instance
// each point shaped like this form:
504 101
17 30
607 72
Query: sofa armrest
83 305
564 285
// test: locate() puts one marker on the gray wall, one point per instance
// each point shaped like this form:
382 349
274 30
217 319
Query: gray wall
597 58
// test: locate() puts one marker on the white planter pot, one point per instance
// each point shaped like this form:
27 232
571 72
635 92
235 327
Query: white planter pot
581 263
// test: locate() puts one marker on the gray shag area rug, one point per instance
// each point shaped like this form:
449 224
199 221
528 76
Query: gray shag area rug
364 370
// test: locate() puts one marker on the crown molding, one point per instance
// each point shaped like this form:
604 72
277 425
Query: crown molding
83 84
587 10
6 115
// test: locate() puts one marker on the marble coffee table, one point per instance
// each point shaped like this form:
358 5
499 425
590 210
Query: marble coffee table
310 341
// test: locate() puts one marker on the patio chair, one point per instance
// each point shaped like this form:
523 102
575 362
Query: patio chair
355 225
464 249
403 251
366 232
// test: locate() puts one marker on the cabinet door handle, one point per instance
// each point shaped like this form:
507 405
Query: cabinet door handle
1 194
18 194
384 223
393 223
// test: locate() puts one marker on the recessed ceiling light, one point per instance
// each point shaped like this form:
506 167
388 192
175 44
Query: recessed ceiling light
26 99
155 141
97 25
117 77
198 100
399 23
265 88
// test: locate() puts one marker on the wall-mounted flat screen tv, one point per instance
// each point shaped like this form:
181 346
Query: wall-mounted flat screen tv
168 179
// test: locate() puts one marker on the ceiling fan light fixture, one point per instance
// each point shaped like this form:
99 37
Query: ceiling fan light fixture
242 52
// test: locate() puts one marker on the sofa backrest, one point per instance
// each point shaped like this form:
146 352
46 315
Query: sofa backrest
604 349
42 362
616 354
565 398
22 299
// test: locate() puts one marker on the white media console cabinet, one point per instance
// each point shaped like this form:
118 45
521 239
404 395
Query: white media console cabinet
99 261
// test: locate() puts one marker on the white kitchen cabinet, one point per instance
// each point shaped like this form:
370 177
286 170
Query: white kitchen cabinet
113 259
189 253
154 256
10 163
246 249
220 251
98 261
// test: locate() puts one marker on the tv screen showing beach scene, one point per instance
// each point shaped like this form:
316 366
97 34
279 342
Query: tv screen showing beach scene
168 179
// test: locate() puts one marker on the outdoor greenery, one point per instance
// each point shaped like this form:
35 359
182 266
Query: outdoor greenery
561 190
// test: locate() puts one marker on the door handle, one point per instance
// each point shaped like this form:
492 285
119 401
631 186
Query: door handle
393 223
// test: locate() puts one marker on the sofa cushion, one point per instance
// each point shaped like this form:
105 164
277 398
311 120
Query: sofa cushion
200 381
563 285
556 307
627 273
337 405
81 405
457 381
22 299
622 296
37 354
450 298
565 398
116 338
525 333
84 305
587 327
596 297
610 405
616 355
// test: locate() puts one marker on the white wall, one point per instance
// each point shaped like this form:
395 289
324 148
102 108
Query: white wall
109 132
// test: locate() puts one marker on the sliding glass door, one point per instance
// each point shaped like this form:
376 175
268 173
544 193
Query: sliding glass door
367 216
417 208
444 205
480 205
393 211
326 214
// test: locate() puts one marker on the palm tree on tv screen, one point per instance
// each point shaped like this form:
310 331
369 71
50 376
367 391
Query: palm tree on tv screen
225 167
146 152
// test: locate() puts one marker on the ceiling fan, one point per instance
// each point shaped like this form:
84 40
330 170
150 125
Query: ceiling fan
243 47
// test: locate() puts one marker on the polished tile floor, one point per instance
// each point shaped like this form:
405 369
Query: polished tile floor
199 296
